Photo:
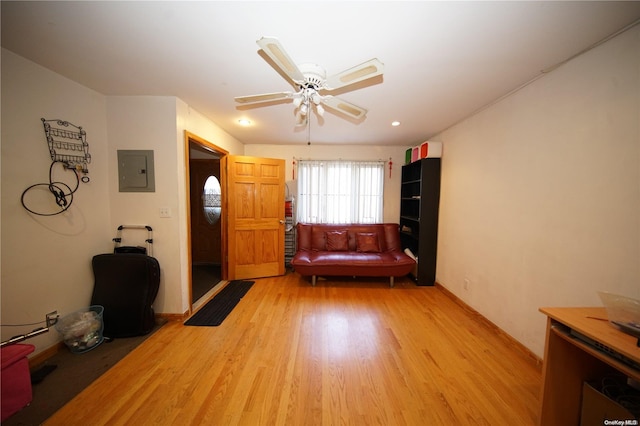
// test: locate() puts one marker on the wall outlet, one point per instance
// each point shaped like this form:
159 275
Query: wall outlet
52 318
466 283
165 212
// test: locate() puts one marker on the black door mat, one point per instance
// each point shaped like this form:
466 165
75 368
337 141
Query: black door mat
217 309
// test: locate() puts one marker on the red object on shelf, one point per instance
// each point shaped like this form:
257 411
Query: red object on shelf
431 150
424 149
16 379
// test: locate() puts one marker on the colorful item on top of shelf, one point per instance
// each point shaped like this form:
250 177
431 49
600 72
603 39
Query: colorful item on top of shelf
426 149
431 150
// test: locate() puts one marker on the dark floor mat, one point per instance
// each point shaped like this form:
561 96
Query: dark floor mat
217 309
39 375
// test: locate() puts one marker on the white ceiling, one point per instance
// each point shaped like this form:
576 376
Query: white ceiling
443 60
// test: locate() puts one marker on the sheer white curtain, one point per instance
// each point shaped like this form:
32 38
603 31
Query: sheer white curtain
338 191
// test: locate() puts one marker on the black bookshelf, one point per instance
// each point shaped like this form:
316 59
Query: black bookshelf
419 205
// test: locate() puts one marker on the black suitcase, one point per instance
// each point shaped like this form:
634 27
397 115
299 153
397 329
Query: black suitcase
126 285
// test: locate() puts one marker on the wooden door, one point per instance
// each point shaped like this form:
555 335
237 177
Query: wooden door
255 206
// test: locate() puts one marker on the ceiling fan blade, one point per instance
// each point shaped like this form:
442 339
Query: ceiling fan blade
364 71
266 97
344 107
272 48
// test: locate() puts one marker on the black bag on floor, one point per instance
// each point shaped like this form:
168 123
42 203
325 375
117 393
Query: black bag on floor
126 285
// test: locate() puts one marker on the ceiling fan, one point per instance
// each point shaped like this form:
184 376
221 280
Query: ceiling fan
311 83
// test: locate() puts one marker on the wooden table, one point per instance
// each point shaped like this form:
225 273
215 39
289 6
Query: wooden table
568 361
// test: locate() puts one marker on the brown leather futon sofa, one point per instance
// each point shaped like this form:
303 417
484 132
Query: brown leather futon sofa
369 250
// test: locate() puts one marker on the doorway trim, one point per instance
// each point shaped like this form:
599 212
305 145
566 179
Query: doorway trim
205 144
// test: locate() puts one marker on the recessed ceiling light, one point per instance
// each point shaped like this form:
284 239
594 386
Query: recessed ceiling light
395 123
244 122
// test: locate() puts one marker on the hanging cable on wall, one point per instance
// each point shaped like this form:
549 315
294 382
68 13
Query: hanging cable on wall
62 193
68 147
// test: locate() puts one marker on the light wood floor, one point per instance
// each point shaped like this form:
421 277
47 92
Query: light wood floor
343 352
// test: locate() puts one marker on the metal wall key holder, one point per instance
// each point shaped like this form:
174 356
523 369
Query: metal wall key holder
68 147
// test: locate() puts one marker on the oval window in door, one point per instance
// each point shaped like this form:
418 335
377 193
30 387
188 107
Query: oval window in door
211 200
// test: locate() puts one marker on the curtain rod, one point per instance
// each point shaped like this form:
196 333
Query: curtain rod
341 159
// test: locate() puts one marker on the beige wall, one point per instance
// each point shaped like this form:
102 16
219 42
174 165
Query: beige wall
541 193
148 123
158 123
46 261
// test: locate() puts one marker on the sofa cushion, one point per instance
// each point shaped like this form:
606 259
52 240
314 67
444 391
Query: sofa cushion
318 238
367 242
337 240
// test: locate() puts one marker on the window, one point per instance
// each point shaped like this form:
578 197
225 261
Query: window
211 200
340 191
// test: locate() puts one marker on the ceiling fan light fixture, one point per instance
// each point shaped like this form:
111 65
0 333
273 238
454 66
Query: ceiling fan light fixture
314 74
244 122
309 79
301 120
